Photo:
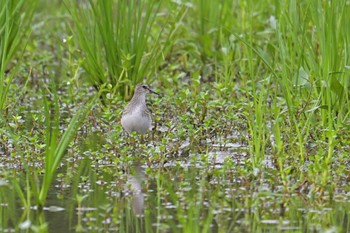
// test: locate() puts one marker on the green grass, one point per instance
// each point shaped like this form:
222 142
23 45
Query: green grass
56 144
15 21
122 43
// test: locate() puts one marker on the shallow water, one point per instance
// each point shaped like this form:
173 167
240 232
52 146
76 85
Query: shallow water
200 193
213 189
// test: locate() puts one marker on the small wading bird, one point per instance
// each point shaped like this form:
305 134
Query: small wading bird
136 117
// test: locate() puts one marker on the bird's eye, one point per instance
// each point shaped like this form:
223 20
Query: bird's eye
144 86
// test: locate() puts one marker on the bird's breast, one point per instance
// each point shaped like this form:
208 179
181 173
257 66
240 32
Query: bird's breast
136 121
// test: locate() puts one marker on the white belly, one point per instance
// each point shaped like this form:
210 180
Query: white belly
136 122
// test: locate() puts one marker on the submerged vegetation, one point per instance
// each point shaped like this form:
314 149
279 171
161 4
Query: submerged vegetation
251 133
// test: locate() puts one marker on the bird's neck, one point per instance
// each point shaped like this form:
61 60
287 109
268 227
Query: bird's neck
139 99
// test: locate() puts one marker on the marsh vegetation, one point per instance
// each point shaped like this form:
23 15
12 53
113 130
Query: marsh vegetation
251 133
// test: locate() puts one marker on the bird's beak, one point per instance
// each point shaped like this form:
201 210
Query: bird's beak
153 92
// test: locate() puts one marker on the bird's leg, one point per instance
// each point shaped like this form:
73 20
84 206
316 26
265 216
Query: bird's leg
142 140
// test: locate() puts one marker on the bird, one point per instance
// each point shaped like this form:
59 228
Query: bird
136 117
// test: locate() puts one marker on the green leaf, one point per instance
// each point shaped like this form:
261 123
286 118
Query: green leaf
336 86
301 78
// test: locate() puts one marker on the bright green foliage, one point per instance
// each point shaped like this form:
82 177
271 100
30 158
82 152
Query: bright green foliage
118 42
57 143
15 20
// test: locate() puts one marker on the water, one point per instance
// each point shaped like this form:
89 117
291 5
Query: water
210 192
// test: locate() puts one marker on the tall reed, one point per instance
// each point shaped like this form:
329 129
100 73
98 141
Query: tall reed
122 42
57 143
15 21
